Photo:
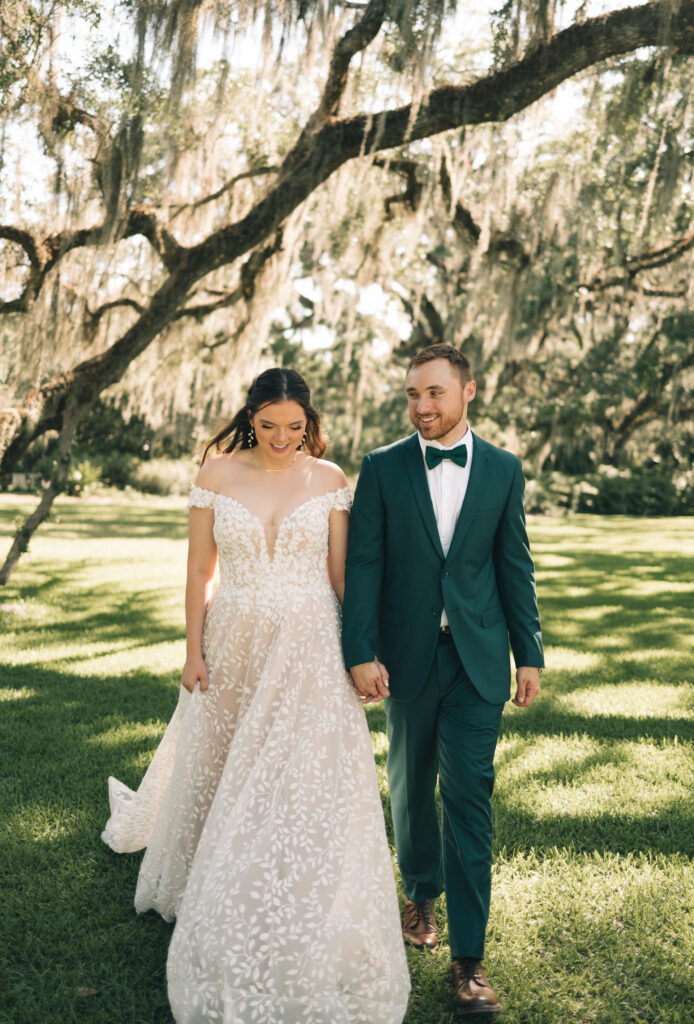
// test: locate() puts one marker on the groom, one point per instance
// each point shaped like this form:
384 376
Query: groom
439 577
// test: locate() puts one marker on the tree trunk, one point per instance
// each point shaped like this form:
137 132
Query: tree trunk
71 417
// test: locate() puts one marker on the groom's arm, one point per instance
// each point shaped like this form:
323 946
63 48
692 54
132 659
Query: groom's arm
515 575
364 569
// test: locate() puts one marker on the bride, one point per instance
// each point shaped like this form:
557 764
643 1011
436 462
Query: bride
260 810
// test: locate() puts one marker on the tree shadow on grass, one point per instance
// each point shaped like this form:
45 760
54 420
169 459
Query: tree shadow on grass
107 521
546 719
627 624
553 721
669 829
671 832
617 587
102 613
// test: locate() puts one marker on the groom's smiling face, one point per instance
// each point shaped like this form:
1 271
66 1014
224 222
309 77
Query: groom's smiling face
438 399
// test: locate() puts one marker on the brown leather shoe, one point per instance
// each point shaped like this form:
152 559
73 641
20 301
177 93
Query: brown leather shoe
473 993
419 924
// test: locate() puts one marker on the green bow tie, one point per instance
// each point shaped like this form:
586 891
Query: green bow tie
434 456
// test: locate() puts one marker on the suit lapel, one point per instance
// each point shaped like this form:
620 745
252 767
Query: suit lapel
415 467
475 489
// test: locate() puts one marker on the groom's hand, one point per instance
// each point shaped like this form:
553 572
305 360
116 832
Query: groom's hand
527 686
370 681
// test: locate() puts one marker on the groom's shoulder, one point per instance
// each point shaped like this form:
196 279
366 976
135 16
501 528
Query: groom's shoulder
394 450
500 456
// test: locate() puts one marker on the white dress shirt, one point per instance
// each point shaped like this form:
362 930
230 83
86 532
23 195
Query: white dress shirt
447 486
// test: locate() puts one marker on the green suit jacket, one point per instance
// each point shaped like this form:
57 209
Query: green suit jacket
398 579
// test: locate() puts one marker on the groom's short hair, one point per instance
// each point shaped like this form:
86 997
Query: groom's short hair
453 355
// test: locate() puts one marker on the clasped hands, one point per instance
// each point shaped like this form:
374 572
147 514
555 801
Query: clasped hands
371 683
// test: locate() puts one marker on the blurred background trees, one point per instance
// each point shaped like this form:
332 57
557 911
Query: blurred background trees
180 206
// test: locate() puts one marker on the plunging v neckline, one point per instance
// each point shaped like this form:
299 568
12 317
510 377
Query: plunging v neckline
256 519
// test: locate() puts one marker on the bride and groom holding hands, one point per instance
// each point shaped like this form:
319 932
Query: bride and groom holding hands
260 812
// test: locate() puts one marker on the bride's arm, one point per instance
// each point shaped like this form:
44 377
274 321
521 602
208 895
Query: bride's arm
202 560
337 551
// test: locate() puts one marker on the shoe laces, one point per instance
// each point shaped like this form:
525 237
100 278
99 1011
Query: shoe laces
421 912
470 968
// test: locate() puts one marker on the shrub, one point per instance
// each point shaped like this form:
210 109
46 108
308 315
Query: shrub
82 477
637 491
119 469
553 493
164 476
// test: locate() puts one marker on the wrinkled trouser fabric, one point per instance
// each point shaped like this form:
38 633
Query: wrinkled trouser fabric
448 731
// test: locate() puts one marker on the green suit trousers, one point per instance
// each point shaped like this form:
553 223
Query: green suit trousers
449 730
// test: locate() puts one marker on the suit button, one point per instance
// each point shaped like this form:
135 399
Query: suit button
446 574
434 612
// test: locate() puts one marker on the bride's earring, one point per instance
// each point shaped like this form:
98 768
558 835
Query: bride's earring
250 436
303 442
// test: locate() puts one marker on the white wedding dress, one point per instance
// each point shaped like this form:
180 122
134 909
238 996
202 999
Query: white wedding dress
260 810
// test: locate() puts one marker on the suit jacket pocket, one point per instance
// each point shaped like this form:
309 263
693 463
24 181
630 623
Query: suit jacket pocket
493 615
488 513
390 615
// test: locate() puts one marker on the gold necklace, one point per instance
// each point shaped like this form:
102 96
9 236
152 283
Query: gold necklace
265 469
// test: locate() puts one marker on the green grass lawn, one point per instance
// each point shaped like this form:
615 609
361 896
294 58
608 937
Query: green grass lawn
592 907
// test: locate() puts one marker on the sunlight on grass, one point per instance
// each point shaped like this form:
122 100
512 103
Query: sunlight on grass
660 586
568 658
125 732
379 741
630 920
23 613
45 822
154 658
23 694
594 611
585 778
634 700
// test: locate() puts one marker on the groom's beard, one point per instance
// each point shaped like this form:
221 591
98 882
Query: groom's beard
442 423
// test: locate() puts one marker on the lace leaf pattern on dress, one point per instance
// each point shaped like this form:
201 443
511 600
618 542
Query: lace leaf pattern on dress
261 810
200 497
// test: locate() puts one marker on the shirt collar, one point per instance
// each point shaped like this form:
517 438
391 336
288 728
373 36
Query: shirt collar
466 439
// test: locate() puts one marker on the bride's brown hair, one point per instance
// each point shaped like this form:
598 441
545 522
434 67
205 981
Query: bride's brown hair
275 385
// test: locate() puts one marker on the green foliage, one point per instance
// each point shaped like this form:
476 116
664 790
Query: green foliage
639 490
111 449
164 476
632 491
503 33
104 430
118 469
83 477
27 31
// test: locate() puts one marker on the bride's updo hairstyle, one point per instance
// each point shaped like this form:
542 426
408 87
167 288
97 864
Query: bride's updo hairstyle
275 385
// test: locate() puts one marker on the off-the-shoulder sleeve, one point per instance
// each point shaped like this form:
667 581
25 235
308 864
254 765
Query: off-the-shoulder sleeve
200 497
342 499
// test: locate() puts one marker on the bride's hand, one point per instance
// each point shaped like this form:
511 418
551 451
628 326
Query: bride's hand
194 671
370 681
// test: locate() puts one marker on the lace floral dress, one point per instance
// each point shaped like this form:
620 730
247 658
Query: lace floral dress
260 810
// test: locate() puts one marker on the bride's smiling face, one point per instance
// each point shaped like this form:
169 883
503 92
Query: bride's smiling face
279 428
